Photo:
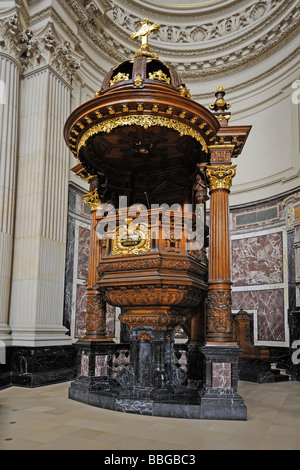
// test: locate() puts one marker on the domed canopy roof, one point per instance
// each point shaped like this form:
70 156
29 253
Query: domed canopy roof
144 67
143 132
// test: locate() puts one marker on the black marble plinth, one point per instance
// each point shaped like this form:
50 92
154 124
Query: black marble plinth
5 368
37 366
219 395
109 377
185 405
255 370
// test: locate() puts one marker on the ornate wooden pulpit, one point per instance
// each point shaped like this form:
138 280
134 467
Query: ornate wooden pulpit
152 155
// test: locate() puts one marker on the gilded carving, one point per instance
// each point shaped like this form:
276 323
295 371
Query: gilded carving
183 91
120 77
220 177
159 75
138 81
145 121
92 199
131 241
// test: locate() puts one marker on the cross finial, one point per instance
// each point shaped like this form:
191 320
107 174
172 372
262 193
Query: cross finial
143 33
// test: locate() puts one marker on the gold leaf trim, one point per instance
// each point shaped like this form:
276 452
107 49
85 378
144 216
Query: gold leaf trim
220 177
143 121
120 77
159 75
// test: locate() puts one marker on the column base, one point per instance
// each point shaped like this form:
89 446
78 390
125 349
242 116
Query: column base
219 396
40 336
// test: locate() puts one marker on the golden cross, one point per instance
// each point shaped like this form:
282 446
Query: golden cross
143 34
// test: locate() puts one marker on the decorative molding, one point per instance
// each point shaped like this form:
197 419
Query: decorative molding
9 31
144 121
239 28
220 177
34 51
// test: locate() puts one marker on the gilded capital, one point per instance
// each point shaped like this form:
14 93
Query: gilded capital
92 199
220 177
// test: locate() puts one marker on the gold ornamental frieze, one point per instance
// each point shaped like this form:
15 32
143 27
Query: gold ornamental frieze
220 177
145 121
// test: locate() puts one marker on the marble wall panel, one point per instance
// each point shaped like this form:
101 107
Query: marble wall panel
257 260
83 253
270 307
80 311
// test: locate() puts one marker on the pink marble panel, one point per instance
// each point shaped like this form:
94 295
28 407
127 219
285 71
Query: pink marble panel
84 365
221 374
80 311
110 320
270 311
83 253
257 260
101 366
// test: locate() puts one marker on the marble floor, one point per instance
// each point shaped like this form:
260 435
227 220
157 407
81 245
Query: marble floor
45 419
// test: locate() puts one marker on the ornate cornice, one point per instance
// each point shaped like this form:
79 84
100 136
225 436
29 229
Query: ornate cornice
215 44
221 44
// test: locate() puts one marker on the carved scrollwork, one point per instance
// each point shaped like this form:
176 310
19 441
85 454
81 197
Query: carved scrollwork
96 313
219 318
160 318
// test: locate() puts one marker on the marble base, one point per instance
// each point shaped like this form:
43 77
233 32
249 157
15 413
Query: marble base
38 366
219 395
184 397
255 370
175 406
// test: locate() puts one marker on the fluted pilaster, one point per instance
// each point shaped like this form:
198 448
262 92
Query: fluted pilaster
9 99
41 212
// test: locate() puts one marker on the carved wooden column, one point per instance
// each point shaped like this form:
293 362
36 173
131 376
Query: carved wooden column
95 306
219 319
219 397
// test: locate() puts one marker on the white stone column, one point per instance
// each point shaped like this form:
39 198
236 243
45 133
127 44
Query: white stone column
9 96
9 104
37 294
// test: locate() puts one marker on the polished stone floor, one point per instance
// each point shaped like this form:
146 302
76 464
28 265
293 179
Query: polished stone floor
45 419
